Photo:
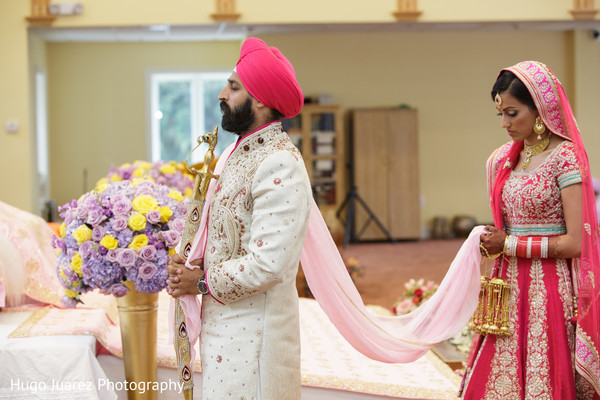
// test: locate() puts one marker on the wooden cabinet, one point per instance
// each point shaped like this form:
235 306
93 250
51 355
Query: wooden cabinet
318 132
386 172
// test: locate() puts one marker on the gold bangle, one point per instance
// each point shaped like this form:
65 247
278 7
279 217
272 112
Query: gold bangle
505 244
487 254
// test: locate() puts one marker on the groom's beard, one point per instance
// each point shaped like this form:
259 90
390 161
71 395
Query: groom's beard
240 119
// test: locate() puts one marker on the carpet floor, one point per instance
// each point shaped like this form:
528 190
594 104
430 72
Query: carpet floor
387 266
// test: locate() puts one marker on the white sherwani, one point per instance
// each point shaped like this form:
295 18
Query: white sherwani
250 339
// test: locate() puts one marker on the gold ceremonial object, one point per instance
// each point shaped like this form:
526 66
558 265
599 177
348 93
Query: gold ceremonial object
138 317
492 314
194 214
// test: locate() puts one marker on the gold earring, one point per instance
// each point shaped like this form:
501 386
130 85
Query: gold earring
539 128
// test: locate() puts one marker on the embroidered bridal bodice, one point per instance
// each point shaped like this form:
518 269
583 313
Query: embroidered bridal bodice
531 200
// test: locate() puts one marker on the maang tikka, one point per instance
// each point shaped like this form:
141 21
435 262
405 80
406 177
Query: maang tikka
498 100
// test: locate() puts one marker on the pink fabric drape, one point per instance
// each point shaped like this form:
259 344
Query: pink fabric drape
555 110
27 260
397 339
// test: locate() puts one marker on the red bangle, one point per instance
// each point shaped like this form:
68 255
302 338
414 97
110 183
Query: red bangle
536 247
529 247
522 247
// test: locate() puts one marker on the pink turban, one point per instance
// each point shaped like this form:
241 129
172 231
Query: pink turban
269 77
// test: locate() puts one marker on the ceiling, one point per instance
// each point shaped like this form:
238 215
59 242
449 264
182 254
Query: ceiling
237 31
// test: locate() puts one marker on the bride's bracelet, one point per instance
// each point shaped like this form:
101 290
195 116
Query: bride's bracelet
526 247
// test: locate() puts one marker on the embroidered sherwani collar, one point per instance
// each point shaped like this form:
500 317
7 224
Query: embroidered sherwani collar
258 137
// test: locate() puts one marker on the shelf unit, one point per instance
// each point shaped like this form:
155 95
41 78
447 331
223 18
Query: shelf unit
318 132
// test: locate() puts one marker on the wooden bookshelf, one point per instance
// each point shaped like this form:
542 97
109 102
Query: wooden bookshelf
318 132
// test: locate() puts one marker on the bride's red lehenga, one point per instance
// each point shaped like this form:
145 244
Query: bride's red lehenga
550 353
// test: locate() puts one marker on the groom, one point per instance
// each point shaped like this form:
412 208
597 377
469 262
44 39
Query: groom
258 217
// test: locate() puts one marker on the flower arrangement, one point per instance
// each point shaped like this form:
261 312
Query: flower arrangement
173 174
124 231
416 292
354 268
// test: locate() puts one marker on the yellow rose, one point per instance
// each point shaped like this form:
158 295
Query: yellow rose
139 241
116 178
101 188
101 182
167 169
138 172
109 242
135 181
175 195
63 274
76 263
171 252
165 214
62 229
82 234
143 165
144 203
136 222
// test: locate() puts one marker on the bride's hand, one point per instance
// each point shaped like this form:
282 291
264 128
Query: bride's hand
493 240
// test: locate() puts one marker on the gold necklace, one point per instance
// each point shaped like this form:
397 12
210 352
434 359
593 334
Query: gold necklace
534 150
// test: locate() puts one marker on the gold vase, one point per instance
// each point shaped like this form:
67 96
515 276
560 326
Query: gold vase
138 317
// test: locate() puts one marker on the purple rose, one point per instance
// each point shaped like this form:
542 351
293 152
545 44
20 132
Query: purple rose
121 206
113 255
145 187
171 238
146 271
147 253
98 233
153 285
118 290
118 223
82 211
176 224
95 216
153 216
85 249
126 258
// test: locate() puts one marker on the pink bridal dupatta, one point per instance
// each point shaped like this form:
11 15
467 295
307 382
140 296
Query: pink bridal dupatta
399 339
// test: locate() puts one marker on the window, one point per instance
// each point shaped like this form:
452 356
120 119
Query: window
184 106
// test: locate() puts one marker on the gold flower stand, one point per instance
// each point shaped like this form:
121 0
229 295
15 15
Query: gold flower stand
138 318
